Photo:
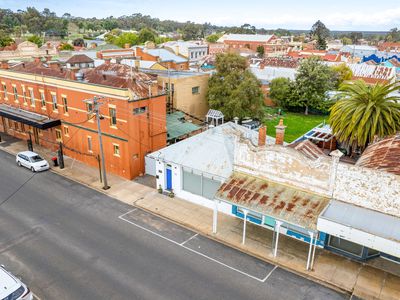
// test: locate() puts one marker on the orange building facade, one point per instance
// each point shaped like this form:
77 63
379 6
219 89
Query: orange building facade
133 114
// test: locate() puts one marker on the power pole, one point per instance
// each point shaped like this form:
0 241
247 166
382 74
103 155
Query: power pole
96 109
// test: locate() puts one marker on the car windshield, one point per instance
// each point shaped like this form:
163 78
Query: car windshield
15 295
36 158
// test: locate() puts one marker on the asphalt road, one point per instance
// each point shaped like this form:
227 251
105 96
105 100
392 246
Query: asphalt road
67 241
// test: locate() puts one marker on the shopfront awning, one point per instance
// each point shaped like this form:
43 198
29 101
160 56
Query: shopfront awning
363 226
27 117
273 199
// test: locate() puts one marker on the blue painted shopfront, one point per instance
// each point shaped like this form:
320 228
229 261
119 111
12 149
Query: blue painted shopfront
293 231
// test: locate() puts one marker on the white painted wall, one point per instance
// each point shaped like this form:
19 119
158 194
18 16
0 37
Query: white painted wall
359 237
177 188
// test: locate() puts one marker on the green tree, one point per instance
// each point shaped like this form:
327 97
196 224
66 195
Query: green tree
126 38
365 111
146 35
281 91
36 39
5 39
356 36
393 35
346 40
313 80
213 38
342 73
320 32
260 50
191 31
66 47
234 90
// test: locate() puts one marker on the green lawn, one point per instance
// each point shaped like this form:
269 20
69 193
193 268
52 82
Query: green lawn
297 123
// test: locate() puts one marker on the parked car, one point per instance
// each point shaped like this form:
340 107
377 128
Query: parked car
11 288
32 160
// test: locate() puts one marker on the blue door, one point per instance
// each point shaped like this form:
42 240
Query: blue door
169 179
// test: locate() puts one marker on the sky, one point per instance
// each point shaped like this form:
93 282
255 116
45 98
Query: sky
364 15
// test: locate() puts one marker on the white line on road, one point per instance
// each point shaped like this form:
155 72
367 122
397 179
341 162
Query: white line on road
269 274
189 249
193 236
127 213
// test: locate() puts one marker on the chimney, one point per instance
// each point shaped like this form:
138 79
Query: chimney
37 59
48 58
107 61
137 64
262 135
280 133
5 65
127 45
236 120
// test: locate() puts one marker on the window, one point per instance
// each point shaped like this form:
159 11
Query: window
15 93
10 123
113 116
139 110
66 131
32 96
116 149
16 125
89 142
54 101
5 91
43 99
24 95
195 90
58 135
65 103
345 245
200 185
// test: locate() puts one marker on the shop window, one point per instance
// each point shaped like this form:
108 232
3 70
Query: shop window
345 246
251 215
116 149
195 90
113 116
200 185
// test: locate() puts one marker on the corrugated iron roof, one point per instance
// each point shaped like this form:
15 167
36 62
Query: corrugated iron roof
273 199
79 58
383 155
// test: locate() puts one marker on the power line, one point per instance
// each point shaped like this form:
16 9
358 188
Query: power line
17 190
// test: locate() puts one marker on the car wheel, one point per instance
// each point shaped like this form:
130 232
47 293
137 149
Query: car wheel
19 163
33 169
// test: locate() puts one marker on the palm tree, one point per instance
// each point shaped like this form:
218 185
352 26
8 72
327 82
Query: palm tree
364 112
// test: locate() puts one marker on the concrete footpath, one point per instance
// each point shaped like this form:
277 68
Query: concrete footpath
377 279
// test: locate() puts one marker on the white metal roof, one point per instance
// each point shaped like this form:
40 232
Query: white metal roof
166 55
210 152
269 73
247 37
363 219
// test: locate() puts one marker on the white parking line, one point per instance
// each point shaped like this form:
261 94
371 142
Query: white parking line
127 213
193 236
269 274
191 250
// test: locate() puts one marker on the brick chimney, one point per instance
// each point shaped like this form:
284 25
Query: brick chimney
280 133
37 59
107 61
5 65
262 135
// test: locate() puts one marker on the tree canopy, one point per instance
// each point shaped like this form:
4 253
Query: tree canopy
365 111
36 39
320 32
234 90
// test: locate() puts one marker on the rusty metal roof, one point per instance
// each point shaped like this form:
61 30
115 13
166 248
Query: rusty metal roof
273 199
383 155
79 58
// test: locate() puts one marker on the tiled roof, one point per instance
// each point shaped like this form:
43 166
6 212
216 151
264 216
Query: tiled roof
79 58
383 155
280 62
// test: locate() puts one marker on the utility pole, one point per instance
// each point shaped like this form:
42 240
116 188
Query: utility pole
96 109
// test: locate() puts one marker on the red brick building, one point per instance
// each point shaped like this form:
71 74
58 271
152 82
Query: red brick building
46 102
164 57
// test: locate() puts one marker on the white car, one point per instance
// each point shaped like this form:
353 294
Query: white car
32 160
11 288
